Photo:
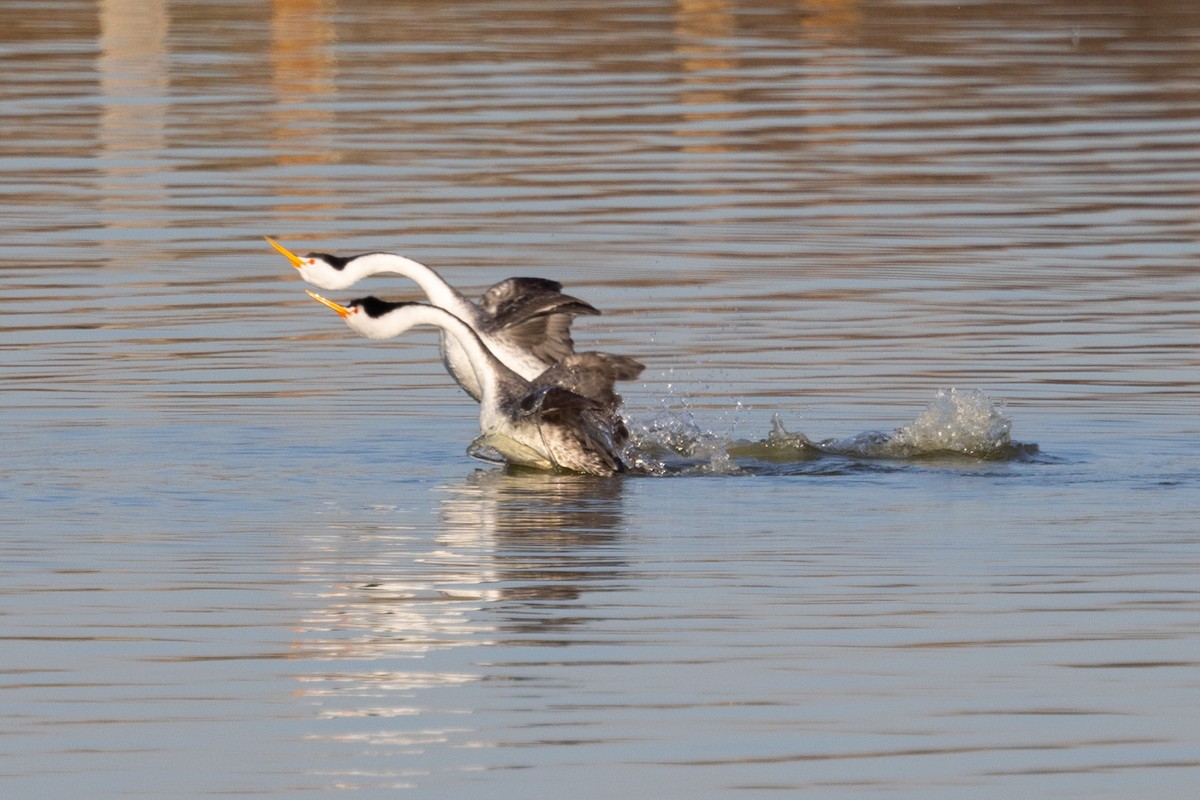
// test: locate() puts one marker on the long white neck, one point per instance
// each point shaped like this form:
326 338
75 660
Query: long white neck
489 370
440 293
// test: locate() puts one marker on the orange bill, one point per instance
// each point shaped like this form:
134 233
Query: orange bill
296 260
340 309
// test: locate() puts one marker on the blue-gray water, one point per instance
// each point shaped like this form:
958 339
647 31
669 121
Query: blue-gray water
244 553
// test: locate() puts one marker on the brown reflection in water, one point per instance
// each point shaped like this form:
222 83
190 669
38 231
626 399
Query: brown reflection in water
702 27
132 70
826 28
831 21
302 58
304 80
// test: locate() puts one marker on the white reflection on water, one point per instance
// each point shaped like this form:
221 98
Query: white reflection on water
518 549
504 537
787 648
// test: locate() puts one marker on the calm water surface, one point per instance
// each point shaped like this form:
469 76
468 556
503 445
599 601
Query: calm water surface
244 552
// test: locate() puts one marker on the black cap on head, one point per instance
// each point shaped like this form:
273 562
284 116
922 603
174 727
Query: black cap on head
374 307
337 262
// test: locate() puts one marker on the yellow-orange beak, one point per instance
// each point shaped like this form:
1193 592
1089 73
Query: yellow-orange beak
296 260
342 311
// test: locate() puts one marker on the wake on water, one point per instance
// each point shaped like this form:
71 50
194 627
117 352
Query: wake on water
962 424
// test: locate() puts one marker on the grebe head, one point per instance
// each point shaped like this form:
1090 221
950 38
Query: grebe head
320 269
368 316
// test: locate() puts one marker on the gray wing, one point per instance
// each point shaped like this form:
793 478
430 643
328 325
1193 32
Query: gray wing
535 315
512 288
555 400
588 437
591 375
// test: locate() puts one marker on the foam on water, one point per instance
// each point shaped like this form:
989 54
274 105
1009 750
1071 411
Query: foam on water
956 423
963 422
672 443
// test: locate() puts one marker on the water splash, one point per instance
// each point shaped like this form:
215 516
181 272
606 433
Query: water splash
672 442
957 423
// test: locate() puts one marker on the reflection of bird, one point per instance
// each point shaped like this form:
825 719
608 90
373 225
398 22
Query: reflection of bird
531 423
525 322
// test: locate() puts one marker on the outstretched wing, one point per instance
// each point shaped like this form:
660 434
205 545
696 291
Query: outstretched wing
535 315
512 288
591 375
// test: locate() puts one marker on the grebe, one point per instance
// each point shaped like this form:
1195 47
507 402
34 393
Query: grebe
530 423
525 322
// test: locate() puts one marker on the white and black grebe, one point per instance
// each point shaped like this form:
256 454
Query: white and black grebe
524 322
537 423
